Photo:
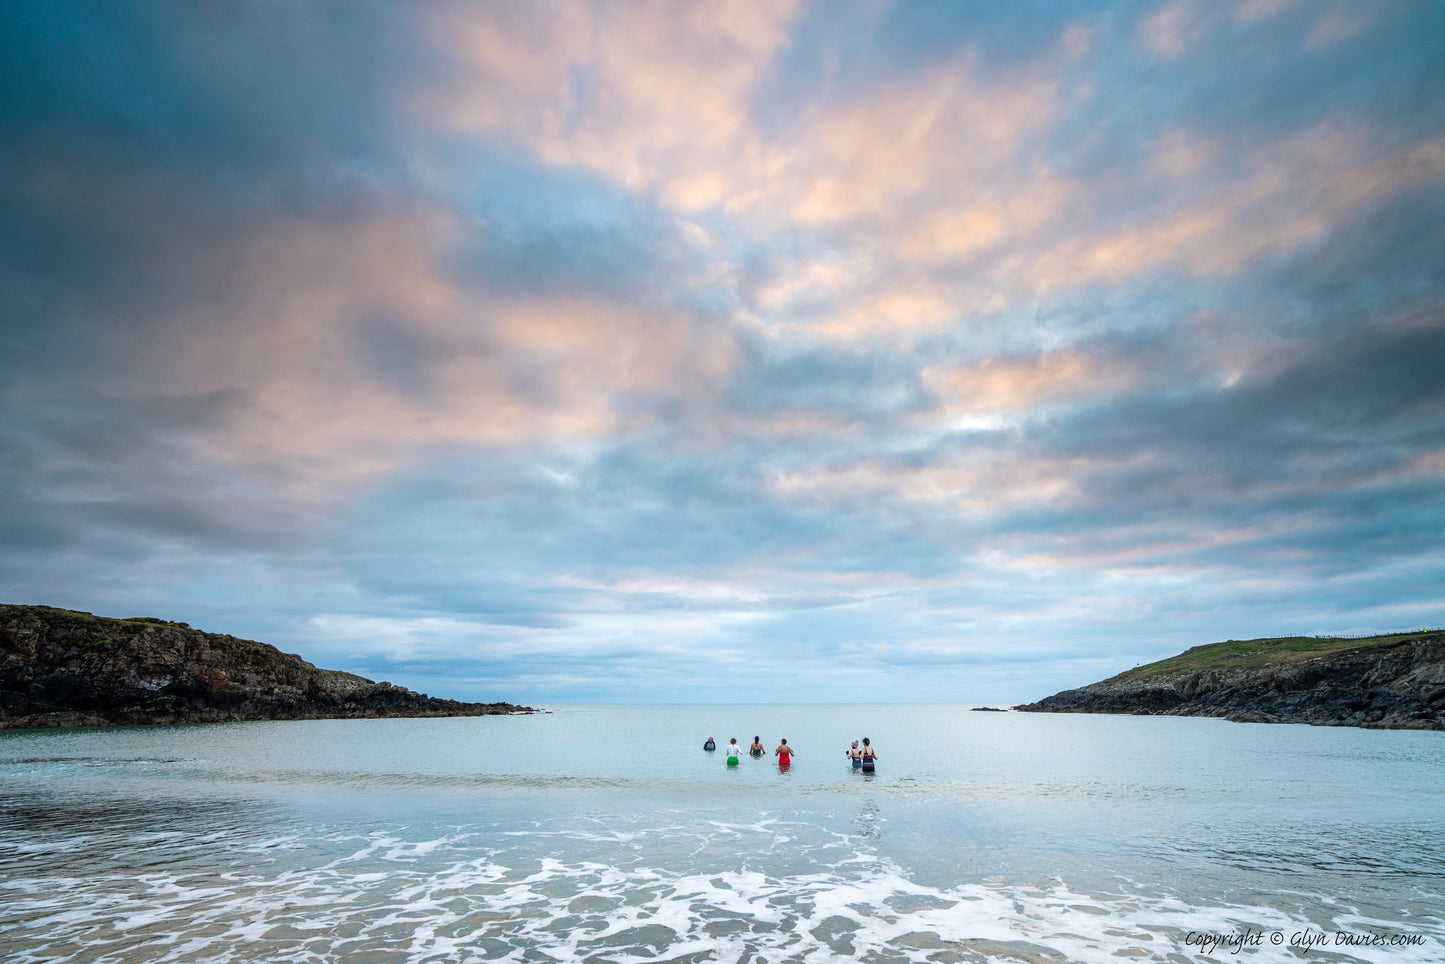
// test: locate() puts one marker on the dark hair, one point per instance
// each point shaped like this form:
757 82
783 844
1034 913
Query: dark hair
757 739
865 741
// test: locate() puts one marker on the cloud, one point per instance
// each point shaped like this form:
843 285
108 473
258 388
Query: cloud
652 95
602 349
1000 385
931 193
1172 29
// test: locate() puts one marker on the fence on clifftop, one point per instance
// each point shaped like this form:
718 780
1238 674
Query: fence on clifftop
1389 632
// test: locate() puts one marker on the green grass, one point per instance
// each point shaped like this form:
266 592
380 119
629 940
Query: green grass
1246 654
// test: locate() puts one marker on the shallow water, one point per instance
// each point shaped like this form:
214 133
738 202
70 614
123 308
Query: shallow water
607 834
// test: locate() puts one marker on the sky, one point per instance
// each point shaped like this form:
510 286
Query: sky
728 351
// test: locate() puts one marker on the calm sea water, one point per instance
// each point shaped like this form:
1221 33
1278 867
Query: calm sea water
607 834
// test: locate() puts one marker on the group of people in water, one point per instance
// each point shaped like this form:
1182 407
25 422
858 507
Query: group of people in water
784 753
863 757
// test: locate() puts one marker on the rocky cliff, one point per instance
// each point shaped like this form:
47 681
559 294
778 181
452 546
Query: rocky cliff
1387 682
63 668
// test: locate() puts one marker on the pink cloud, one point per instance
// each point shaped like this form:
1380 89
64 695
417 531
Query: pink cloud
1021 385
282 334
652 95
1290 191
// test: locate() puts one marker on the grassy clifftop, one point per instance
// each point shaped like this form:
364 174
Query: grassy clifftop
1392 681
1254 654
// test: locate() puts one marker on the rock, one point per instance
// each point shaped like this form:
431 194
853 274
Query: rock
64 668
1386 682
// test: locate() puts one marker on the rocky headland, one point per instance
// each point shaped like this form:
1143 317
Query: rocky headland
1383 682
64 668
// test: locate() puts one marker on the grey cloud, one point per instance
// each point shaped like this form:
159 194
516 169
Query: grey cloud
853 385
629 509
1383 262
395 353
1328 440
541 229
139 139
240 88
87 469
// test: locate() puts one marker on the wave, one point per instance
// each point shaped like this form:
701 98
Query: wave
598 889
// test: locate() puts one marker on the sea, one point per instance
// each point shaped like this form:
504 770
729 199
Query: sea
608 834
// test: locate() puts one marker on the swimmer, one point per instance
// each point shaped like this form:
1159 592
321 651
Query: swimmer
757 749
868 755
784 753
709 745
855 755
733 752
